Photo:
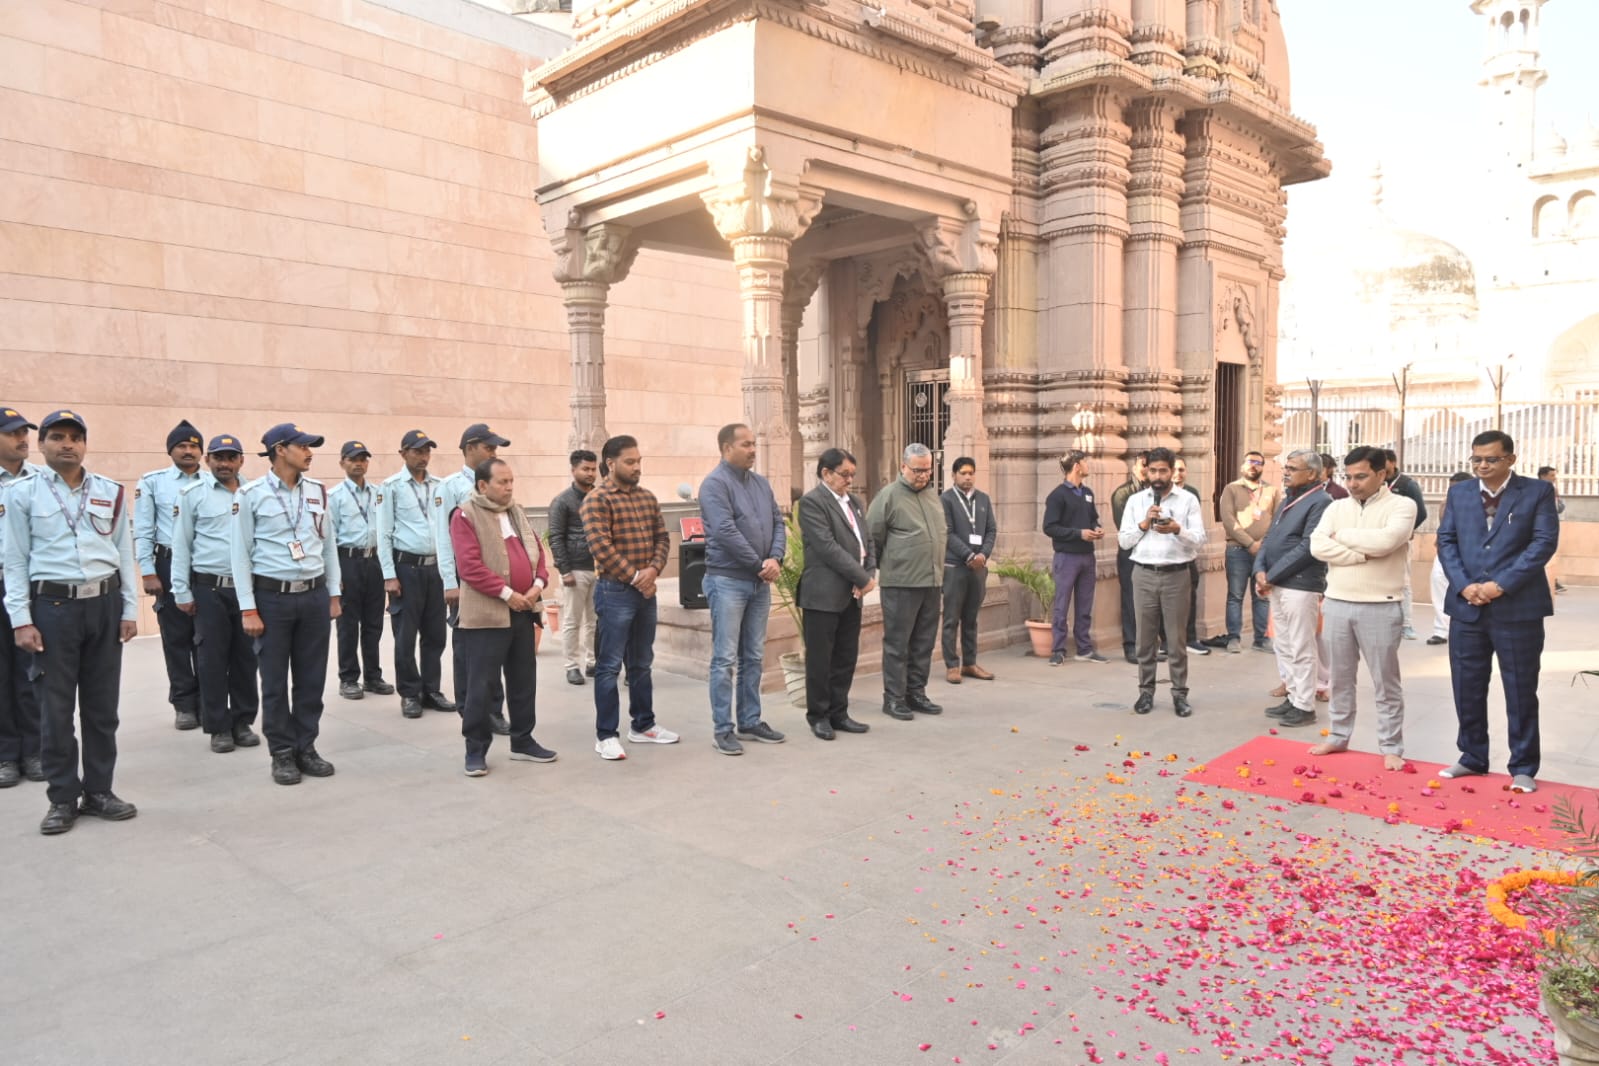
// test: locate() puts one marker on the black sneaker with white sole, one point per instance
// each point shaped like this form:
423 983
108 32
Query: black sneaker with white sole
532 751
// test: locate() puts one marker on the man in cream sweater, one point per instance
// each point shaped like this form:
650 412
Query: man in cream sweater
1364 541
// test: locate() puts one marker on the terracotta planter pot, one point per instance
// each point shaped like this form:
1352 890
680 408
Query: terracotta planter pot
1043 636
1576 1037
794 677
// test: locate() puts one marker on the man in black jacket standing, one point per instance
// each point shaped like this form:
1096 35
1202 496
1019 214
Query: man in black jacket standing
1294 580
576 567
1071 521
839 561
969 517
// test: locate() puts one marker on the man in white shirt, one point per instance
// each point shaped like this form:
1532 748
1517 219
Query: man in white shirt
1163 531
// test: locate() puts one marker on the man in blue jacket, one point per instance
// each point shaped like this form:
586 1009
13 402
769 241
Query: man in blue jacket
1293 580
744 542
1498 533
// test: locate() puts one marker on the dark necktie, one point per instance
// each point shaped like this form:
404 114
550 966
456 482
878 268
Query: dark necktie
1490 506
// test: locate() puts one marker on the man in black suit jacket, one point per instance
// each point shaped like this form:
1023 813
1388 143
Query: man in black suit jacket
969 515
1498 533
839 563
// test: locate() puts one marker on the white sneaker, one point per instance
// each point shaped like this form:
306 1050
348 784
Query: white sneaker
610 748
653 736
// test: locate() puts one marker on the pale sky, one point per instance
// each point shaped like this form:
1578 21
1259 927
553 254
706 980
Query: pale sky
1396 81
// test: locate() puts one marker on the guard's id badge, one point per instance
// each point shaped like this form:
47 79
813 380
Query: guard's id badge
975 538
296 552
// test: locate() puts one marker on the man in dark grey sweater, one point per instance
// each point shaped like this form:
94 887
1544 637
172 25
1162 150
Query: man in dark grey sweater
572 559
969 540
1071 521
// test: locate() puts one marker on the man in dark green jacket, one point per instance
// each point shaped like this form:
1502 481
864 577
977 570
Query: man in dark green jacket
906 524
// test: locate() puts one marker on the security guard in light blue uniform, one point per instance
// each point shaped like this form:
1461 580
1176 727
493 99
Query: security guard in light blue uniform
360 628
286 570
155 506
19 701
479 444
72 600
408 555
203 588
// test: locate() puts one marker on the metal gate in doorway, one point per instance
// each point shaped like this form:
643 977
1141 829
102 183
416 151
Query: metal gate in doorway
926 416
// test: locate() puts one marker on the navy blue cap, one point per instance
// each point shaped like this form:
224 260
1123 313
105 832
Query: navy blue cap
480 433
225 443
353 448
288 433
417 439
56 418
11 420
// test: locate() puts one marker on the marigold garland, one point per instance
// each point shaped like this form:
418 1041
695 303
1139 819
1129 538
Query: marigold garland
1500 891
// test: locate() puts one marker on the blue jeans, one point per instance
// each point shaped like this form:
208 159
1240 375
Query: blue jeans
1240 575
739 609
624 633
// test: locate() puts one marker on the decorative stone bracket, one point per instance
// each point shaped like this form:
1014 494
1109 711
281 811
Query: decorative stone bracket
759 202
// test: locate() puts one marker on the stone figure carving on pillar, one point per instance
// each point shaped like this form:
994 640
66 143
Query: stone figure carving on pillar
760 213
962 256
1246 327
587 263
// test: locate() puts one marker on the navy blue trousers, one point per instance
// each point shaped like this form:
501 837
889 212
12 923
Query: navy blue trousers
1519 648
296 639
19 698
177 641
80 674
226 660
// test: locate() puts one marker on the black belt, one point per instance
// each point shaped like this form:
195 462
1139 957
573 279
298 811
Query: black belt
416 560
211 581
1162 568
270 584
358 553
60 590
163 552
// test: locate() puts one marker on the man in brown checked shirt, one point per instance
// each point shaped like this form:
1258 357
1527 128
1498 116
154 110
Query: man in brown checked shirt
627 537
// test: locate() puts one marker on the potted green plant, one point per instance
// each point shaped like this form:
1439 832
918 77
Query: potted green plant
1040 584
1569 984
786 589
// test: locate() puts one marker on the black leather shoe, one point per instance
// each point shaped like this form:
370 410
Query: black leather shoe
244 736
1284 708
60 818
498 725
107 805
1297 717
10 772
1180 705
850 725
1131 657
185 720
574 676
222 743
379 688
919 702
895 709
1433 642
33 768
588 671
410 706
823 731
351 690
438 701
284 769
312 763
1145 704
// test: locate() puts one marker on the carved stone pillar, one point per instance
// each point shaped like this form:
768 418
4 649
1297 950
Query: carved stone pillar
760 213
587 263
1149 315
963 257
799 285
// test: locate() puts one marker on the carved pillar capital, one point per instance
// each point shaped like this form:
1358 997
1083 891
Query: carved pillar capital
959 246
758 201
601 253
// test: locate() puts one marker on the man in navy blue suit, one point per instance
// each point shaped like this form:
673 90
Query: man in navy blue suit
1498 532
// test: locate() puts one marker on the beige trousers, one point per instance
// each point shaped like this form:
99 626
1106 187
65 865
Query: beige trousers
1294 617
577 621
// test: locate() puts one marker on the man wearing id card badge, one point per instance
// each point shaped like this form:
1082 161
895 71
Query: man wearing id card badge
72 598
155 511
969 541
353 504
19 700
286 573
408 553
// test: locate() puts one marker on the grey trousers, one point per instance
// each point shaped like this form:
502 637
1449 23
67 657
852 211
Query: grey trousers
910 629
1161 598
964 589
1369 631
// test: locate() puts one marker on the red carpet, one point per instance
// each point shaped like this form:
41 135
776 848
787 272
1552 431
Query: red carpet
1355 781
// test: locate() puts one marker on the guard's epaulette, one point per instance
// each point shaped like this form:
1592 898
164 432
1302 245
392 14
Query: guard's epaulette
398 475
191 486
250 485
